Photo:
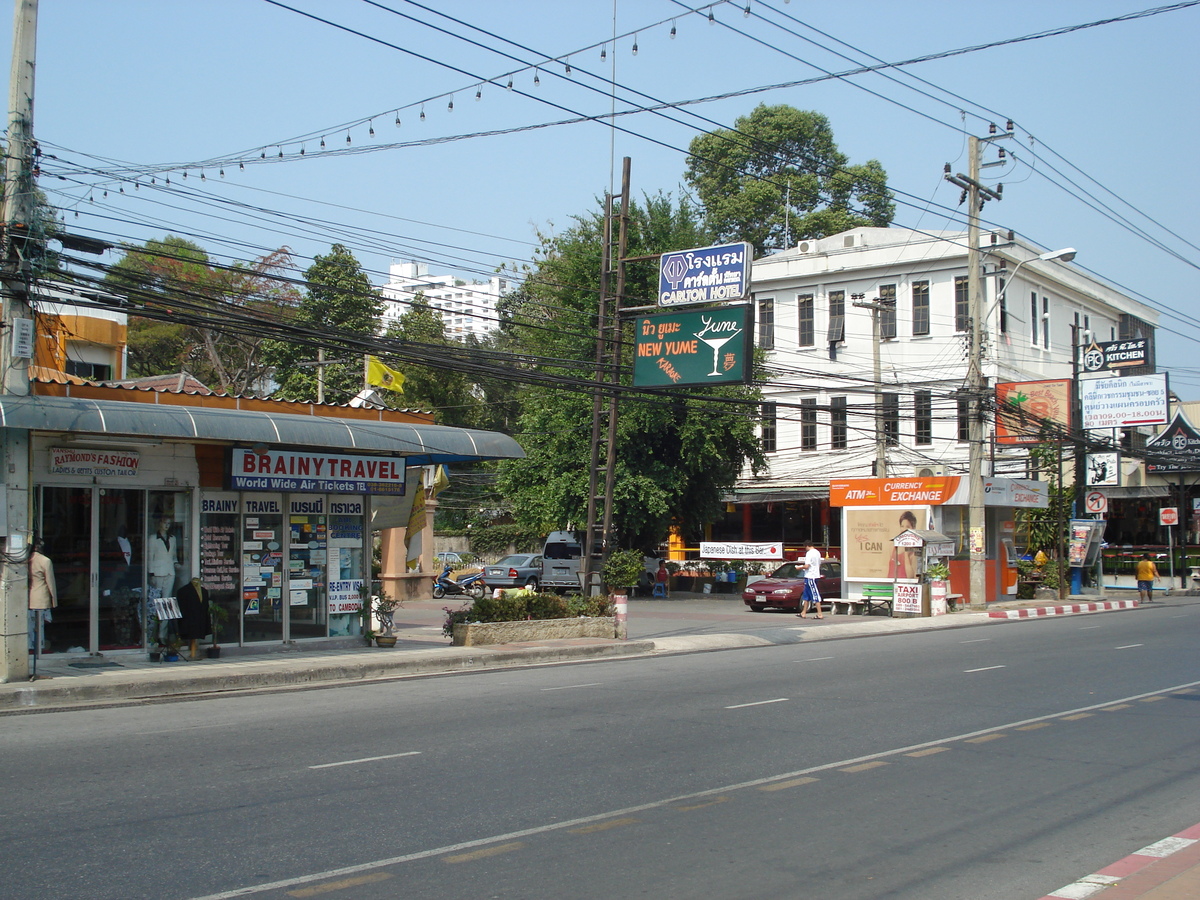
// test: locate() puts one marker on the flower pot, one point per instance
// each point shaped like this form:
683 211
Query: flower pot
171 657
155 656
213 652
385 640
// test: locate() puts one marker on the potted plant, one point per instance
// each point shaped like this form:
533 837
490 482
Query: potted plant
622 570
218 616
166 641
384 606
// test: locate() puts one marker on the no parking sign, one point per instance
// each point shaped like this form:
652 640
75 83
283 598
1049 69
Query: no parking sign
1096 502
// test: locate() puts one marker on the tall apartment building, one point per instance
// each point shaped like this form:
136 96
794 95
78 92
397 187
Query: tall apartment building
824 416
465 307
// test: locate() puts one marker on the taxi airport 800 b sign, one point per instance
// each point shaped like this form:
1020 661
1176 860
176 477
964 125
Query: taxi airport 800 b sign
698 347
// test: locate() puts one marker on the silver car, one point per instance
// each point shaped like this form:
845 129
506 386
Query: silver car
518 570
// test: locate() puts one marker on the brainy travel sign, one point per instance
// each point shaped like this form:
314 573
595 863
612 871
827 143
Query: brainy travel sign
705 275
297 470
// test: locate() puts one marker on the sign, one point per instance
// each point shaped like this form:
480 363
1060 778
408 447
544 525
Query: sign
1025 409
1110 355
1096 503
940 491
94 463
709 346
731 550
1103 469
705 275
1124 402
1175 449
313 472
906 598
1168 515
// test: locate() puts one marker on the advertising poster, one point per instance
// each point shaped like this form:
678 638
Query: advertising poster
1025 408
869 552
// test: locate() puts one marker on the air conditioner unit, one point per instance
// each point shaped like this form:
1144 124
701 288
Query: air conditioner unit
929 471
806 246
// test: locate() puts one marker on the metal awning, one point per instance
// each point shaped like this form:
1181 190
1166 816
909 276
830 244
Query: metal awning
421 444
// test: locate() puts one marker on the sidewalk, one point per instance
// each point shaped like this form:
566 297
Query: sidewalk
1165 870
66 681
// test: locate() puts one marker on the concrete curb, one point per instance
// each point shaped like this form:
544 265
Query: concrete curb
1065 610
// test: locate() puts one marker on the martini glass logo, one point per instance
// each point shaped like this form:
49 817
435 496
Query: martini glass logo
674 267
717 333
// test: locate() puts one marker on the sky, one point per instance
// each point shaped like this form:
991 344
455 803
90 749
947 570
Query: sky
129 90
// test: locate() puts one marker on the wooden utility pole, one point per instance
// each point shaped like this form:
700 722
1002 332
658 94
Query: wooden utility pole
17 340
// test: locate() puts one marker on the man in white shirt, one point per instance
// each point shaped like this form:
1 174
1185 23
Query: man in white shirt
812 571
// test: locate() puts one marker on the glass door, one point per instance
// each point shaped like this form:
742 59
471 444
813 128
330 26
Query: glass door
122 566
262 570
308 557
66 534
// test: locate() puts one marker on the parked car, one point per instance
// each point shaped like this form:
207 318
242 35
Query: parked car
448 558
520 570
784 588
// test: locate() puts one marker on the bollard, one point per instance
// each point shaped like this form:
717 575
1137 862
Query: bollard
621 614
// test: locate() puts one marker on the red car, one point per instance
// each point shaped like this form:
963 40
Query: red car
784 588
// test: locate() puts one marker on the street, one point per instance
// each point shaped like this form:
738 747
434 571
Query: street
997 762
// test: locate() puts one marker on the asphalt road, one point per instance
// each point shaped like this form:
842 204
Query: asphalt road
997 762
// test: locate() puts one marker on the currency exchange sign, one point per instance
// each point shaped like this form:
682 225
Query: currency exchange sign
705 275
697 347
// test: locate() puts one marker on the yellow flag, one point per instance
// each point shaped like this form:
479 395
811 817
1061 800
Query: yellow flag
379 375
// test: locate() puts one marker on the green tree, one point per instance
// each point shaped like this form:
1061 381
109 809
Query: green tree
197 313
778 173
339 299
676 455
448 393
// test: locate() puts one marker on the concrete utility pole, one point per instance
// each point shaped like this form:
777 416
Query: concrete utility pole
17 340
877 307
976 194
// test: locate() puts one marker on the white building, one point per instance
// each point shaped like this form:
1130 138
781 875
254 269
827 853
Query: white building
822 403
465 307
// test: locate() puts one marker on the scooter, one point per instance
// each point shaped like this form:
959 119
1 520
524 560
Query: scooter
473 585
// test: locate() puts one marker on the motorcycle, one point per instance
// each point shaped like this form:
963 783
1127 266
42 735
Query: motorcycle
473 585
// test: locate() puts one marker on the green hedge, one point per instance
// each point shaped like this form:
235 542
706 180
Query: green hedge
513 606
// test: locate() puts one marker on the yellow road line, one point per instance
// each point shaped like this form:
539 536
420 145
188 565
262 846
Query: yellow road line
604 826
928 751
494 850
340 885
984 738
862 767
1077 717
1034 727
784 785
1153 699
1115 708
721 799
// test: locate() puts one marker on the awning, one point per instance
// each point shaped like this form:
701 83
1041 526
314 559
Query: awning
757 495
1135 492
421 444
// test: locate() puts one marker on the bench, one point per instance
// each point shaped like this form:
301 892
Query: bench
876 596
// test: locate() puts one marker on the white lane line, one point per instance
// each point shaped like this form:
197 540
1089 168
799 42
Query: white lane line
567 687
1182 616
984 669
758 703
975 641
1128 646
657 804
365 759
1089 627
815 658
180 728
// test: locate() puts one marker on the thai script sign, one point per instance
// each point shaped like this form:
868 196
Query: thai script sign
705 275
296 470
708 346
92 463
1110 355
1175 449
1124 402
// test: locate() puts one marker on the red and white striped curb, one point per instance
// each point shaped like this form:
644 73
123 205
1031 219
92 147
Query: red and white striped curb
1134 862
1062 610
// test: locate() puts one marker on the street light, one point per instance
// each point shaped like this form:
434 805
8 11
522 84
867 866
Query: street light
1064 255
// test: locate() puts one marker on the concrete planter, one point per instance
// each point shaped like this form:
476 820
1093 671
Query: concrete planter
477 634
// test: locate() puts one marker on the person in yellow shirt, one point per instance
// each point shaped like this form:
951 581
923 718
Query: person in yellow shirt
1147 574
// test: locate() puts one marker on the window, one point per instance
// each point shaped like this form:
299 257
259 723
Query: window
962 304
891 419
964 420
1003 301
1034 319
1046 323
920 307
807 334
768 428
837 316
887 315
808 424
766 324
88 370
837 423
923 416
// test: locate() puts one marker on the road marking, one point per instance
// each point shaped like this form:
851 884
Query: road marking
928 751
1152 699
984 738
494 850
758 703
815 658
365 759
864 767
1128 646
567 687
783 785
984 669
1077 717
1034 727
976 641
604 826
489 840
1089 627
328 886
721 799
186 728
1115 708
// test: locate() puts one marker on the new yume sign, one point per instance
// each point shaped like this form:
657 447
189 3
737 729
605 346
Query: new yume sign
707 346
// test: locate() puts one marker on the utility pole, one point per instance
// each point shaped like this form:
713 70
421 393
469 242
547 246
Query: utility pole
17 339
877 307
976 194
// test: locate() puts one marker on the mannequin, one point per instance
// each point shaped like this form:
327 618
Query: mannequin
193 603
162 558
43 593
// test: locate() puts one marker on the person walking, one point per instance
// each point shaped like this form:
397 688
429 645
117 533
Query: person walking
812 571
1147 574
